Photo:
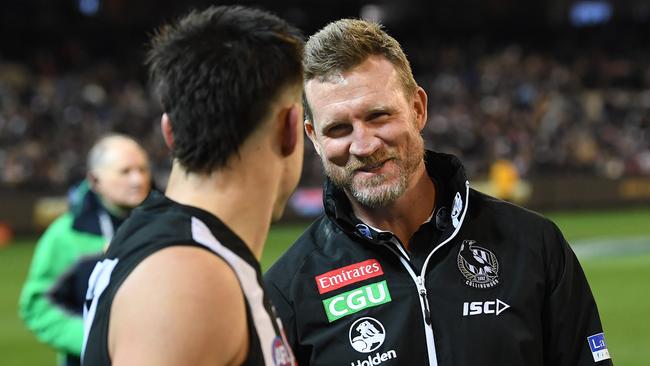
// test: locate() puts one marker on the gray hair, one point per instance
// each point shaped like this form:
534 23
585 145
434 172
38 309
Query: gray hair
97 154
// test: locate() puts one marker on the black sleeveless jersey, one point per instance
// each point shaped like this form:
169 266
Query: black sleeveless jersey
160 223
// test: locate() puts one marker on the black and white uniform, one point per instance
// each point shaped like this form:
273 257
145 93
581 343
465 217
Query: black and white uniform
160 223
484 282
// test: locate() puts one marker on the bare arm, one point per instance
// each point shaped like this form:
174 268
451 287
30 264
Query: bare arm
180 306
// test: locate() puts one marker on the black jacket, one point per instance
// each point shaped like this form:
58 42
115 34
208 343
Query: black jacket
485 282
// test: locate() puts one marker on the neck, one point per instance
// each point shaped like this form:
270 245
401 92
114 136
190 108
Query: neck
117 211
233 194
405 215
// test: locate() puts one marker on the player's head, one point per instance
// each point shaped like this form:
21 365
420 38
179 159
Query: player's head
364 111
118 171
230 82
218 73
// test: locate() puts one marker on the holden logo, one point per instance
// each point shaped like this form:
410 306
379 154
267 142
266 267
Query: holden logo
367 334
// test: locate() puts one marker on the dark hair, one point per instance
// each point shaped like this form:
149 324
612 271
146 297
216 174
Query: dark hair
217 72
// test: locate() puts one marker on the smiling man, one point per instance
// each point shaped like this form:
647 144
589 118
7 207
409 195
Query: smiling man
409 265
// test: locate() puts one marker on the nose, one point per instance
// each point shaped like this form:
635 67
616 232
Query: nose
139 177
364 141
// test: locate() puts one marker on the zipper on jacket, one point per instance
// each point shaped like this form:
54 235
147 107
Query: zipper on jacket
426 313
400 252
423 294
419 280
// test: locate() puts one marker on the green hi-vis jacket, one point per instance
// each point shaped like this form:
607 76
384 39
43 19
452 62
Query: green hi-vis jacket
51 300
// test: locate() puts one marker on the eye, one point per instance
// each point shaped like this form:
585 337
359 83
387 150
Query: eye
377 114
337 130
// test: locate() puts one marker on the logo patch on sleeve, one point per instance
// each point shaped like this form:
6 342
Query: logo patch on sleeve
598 347
281 354
353 301
348 275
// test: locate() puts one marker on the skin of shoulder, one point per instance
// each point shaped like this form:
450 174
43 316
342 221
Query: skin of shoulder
181 306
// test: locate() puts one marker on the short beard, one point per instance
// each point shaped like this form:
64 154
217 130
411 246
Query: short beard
373 196
370 192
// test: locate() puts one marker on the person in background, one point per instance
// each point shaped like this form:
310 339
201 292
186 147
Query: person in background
410 265
181 282
51 301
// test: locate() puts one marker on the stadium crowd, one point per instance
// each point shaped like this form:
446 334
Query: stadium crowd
584 115
587 112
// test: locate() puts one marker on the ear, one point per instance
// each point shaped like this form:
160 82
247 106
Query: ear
93 181
311 133
309 129
420 107
166 127
290 129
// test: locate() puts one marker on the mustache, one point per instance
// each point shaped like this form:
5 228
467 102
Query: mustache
357 163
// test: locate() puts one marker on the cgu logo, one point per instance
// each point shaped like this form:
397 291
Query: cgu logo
356 300
484 307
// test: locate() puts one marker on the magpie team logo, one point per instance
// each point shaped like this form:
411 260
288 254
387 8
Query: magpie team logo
479 265
366 334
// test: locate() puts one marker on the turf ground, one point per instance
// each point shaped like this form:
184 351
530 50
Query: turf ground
614 248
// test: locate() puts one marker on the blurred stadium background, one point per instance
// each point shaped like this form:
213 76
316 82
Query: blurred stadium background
547 103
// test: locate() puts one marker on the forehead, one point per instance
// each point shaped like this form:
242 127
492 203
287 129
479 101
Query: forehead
122 153
371 84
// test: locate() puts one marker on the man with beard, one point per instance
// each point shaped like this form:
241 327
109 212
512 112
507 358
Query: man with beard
444 273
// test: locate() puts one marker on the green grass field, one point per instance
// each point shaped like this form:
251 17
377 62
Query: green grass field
618 280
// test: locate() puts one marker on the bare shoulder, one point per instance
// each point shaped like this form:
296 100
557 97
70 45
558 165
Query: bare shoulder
181 305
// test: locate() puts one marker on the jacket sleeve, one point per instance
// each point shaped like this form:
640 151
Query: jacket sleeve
50 323
69 292
570 314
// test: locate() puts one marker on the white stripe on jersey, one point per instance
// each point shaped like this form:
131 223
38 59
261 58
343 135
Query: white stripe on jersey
97 283
248 280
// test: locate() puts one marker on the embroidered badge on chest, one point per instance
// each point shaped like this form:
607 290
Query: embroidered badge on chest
479 265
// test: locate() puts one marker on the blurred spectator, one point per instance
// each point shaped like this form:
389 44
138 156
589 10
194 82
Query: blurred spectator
51 301
504 177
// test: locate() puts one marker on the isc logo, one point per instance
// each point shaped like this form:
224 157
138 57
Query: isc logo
484 307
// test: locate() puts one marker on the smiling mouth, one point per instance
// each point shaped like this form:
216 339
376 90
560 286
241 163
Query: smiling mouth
372 167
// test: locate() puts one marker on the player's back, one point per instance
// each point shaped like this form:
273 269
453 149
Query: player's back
161 223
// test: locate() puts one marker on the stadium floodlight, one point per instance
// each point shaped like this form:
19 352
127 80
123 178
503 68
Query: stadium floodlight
588 13
88 7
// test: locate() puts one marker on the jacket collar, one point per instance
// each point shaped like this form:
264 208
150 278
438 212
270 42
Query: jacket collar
451 184
87 211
